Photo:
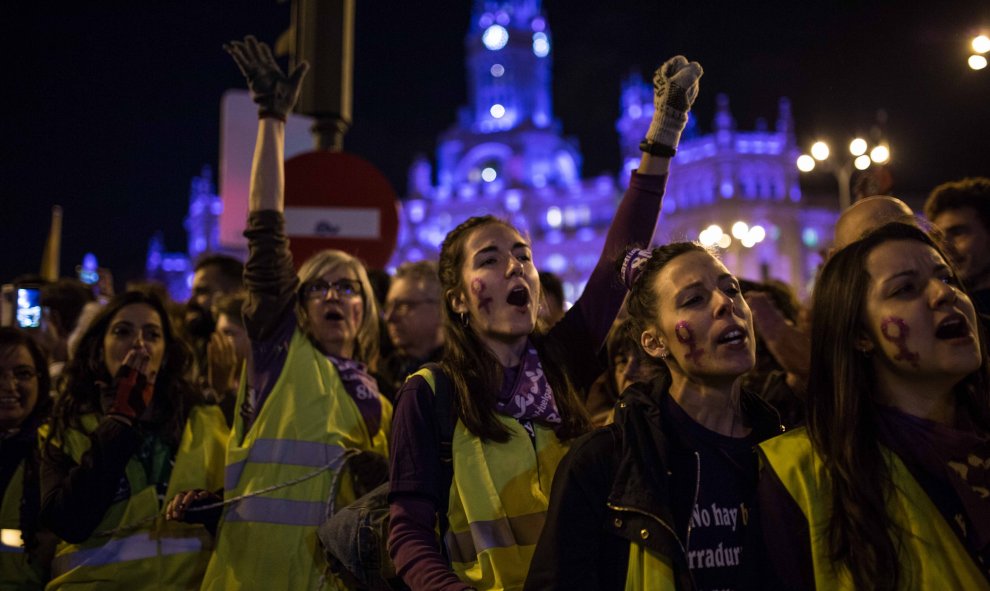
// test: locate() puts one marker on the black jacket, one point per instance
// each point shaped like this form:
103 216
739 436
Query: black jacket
613 488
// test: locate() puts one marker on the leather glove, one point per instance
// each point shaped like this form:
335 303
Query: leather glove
132 392
274 92
675 86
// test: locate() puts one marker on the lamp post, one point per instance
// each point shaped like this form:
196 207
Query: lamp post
981 46
861 156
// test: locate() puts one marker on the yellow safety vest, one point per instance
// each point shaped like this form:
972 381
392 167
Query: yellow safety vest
308 420
15 570
157 554
648 570
932 557
498 502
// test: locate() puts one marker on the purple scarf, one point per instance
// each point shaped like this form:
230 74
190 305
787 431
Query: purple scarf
956 456
528 397
363 389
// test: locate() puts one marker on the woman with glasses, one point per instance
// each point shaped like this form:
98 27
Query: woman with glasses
24 404
310 396
128 431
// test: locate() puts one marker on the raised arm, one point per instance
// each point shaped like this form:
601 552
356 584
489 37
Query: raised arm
675 87
268 275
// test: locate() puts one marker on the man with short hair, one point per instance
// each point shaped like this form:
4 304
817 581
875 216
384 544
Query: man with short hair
215 275
412 317
961 210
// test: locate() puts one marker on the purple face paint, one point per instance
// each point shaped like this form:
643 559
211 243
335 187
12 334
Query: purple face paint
686 337
896 331
478 289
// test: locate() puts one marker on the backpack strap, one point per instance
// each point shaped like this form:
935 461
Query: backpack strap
443 408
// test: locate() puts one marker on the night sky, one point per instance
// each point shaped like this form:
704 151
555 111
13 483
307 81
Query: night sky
113 107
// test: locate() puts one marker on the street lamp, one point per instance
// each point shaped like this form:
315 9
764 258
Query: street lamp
748 236
981 46
861 158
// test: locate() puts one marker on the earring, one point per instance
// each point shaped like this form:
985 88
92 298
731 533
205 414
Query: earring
464 319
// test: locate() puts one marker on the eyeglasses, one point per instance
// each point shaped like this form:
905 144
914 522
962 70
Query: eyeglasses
21 375
343 288
402 307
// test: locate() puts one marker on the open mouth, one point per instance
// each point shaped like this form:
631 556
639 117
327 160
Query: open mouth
954 326
519 296
733 335
10 400
334 316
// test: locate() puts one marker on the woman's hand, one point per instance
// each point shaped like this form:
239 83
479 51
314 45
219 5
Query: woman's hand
133 388
222 366
191 507
274 92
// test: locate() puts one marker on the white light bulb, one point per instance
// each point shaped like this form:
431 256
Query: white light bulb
805 163
739 230
862 162
820 150
857 147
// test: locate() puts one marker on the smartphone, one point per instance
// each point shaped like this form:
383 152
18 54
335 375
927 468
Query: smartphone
28 310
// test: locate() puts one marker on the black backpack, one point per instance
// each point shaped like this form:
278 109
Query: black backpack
355 538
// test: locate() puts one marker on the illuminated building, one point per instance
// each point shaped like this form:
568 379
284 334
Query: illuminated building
175 269
506 157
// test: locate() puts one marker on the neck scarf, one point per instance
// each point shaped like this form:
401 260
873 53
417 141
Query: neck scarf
363 389
527 395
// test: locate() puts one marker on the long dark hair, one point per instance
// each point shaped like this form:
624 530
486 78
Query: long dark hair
474 369
842 413
80 388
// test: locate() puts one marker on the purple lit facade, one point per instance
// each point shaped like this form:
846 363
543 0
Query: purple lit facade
202 223
506 157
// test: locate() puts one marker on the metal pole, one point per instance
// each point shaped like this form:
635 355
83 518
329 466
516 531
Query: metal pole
843 174
324 36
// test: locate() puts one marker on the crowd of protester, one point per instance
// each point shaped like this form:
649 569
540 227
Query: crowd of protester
673 428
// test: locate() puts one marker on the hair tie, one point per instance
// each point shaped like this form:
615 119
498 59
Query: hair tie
632 265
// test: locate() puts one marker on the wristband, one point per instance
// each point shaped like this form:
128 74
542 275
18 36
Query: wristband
655 149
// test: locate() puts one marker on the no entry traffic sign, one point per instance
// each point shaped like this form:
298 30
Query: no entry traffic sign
338 200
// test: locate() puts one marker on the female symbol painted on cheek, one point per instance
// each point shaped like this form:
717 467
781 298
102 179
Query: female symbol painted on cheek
686 337
484 302
896 331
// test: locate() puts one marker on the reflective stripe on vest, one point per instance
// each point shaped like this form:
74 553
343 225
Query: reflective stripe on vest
283 511
305 423
498 502
284 451
497 533
136 547
159 553
932 557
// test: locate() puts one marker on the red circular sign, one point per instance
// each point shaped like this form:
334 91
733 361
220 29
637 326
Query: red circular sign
338 200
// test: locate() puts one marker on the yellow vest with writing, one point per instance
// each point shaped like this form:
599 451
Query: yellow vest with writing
498 502
308 420
15 570
156 554
932 556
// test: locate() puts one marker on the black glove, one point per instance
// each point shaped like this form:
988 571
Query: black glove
275 93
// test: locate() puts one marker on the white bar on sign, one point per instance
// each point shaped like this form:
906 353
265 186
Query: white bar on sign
333 222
